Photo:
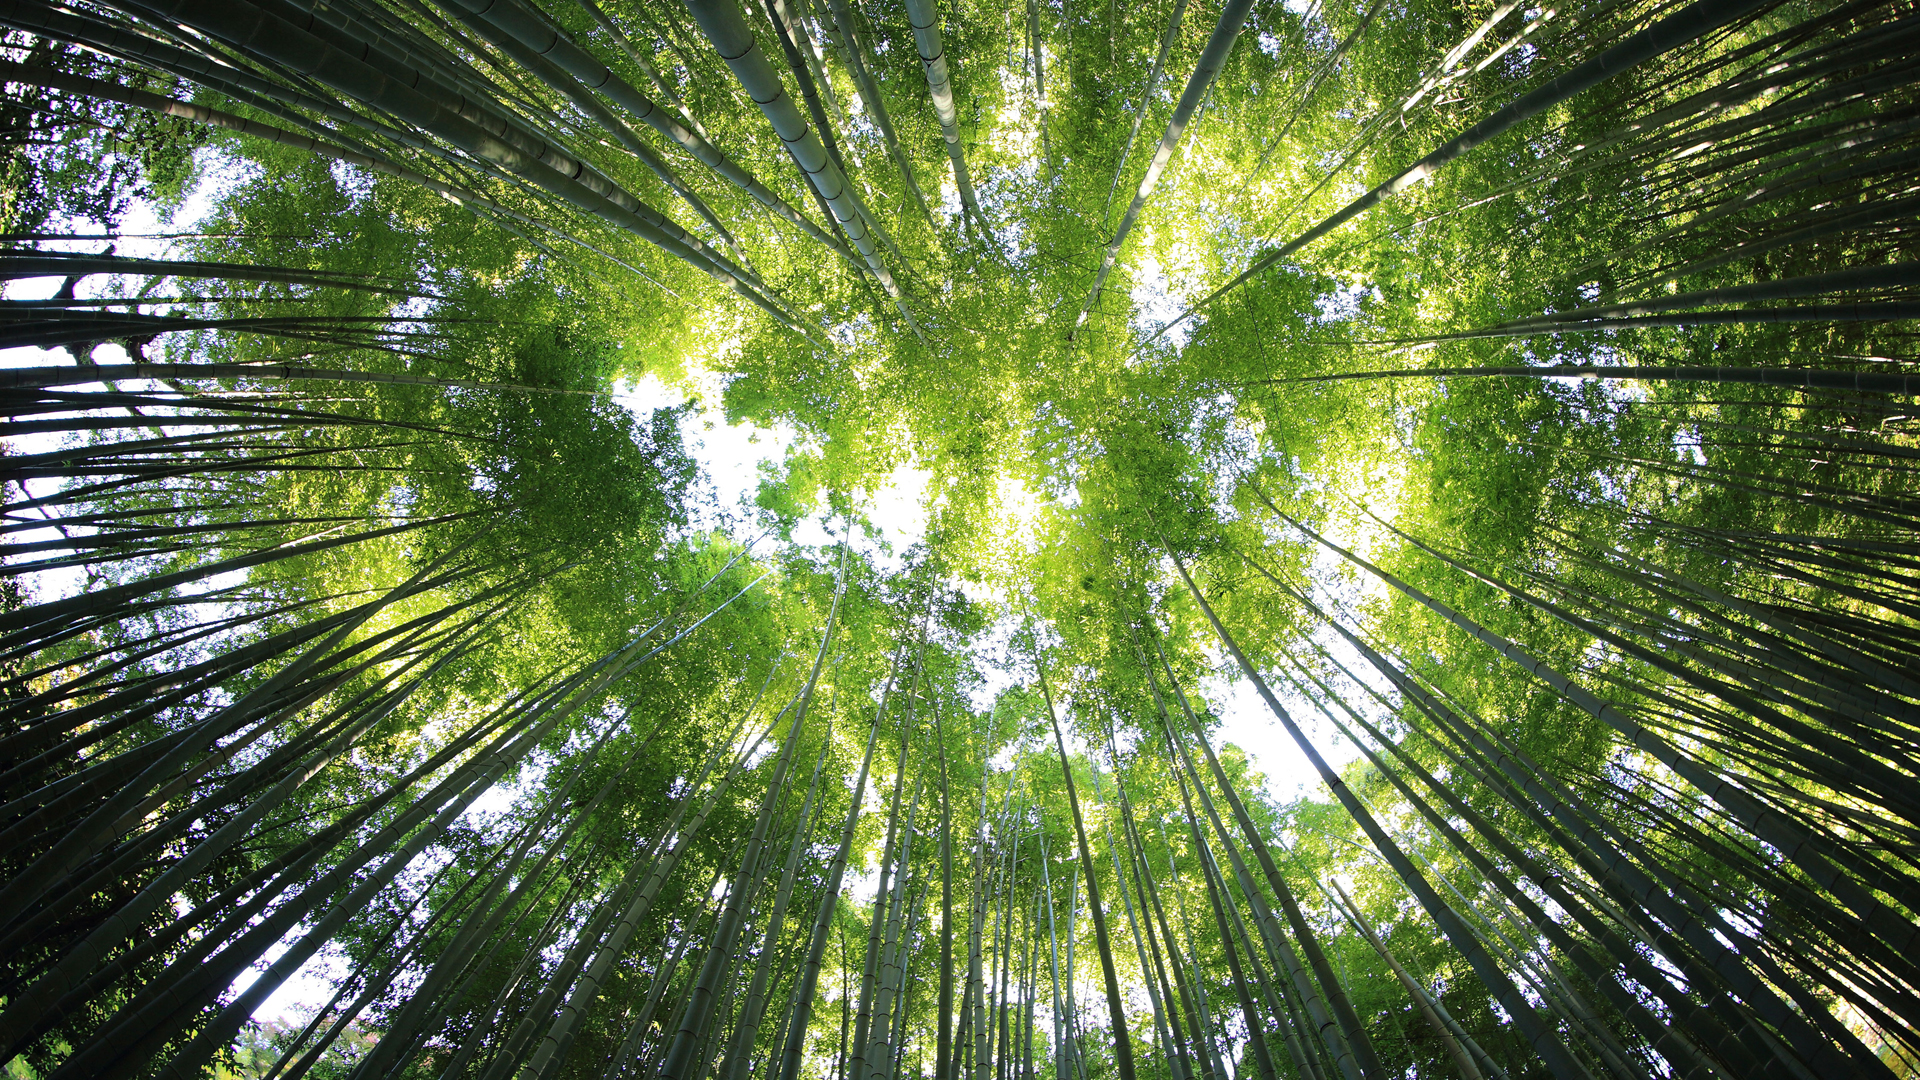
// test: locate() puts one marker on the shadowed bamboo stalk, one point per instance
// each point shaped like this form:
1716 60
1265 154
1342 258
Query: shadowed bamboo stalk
1542 1039
1116 1011
1233 16
1670 33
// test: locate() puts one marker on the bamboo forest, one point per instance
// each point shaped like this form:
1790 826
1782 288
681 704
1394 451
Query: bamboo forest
954 540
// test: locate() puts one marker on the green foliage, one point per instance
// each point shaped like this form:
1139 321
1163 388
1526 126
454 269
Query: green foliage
72 162
1128 509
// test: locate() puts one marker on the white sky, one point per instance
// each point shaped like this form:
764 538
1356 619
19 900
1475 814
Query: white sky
735 457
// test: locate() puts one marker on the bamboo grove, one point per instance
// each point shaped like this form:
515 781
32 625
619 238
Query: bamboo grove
1502 412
